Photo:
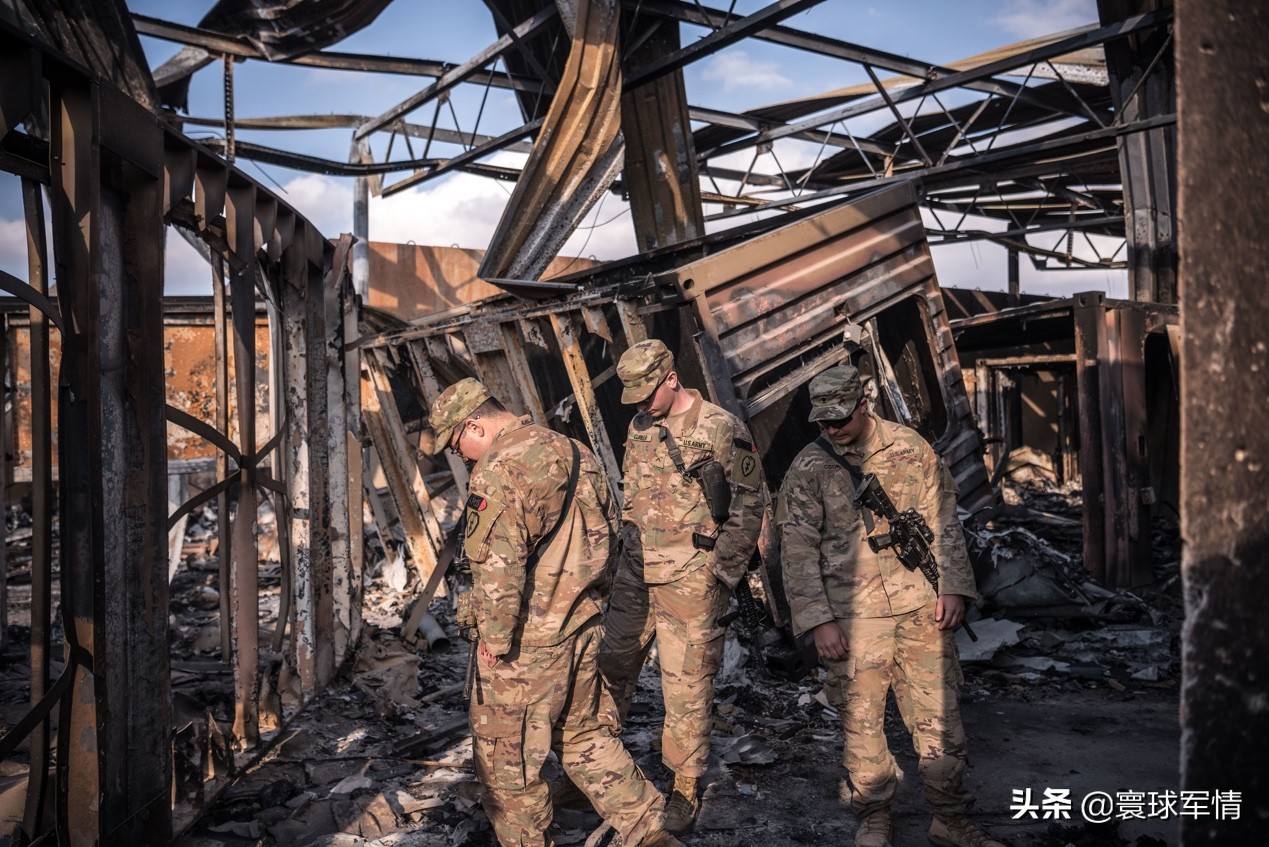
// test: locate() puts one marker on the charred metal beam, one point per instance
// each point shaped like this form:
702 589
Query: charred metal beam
568 334
245 556
463 160
6 437
134 478
513 345
352 591
224 534
314 652
716 40
423 535
1224 203
300 444
1090 353
1081 223
1032 159
1142 85
824 46
302 122
76 233
314 164
1128 459
717 117
335 590
577 160
459 74
1078 41
216 43
42 509
431 389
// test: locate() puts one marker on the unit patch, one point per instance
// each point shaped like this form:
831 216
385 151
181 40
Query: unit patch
480 517
746 472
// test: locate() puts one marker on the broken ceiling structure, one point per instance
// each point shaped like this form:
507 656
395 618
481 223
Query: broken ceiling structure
315 406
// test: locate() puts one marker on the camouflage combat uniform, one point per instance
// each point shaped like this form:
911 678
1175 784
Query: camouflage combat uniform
539 611
665 587
885 611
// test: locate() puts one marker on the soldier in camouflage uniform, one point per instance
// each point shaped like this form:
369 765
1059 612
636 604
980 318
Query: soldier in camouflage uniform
876 624
679 563
540 564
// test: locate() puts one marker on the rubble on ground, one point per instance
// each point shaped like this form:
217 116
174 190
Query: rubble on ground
383 759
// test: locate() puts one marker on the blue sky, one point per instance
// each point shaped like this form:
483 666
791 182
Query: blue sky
463 210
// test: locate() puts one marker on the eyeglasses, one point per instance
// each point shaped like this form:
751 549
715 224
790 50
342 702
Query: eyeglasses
838 423
456 446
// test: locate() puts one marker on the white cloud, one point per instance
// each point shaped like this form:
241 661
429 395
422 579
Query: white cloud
735 69
459 209
1032 18
185 272
326 201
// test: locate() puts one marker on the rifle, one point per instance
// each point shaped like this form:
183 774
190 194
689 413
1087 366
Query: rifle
751 618
909 534
464 606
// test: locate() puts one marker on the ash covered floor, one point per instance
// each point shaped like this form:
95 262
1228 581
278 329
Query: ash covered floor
1076 691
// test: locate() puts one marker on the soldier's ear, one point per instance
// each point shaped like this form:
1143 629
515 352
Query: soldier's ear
672 379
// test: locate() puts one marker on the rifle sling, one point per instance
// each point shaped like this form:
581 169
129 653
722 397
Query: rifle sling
676 455
856 476
573 474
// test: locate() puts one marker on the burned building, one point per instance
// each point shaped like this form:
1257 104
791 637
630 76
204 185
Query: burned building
304 407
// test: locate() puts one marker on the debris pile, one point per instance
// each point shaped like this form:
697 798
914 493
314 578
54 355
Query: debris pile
383 759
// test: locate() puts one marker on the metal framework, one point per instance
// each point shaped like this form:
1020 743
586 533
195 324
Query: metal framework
116 176
1034 136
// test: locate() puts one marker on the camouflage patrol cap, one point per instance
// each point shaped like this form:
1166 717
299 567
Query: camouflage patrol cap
835 393
642 368
453 407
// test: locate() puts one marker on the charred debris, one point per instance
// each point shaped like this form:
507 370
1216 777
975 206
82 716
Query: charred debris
223 591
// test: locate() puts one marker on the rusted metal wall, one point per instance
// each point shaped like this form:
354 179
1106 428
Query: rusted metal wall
189 362
408 281
1223 94
116 177
751 317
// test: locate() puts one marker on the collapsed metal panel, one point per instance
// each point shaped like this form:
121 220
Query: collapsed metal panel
660 174
577 155
780 307
750 323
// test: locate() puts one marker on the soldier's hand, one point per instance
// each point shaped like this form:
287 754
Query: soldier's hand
485 656
950 611
830 641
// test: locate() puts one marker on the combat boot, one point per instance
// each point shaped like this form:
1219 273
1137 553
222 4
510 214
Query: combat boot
874 829
959 831
660 838
680 811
